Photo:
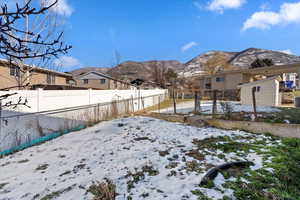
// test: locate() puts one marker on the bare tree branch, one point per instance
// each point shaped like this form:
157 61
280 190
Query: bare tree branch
14 45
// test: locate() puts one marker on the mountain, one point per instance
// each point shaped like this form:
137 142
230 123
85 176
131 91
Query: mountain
144 70
238 60
196 65
246 57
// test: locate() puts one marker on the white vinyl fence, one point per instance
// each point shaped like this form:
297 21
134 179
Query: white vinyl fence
58 111
43 100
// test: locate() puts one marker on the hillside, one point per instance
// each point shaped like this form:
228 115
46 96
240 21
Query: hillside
246 57
195 66
241 59
144 70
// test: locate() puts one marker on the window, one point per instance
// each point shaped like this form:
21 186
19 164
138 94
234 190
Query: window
102 81
70 82
220 79
207 86
50 79
14 71
85 81
257 88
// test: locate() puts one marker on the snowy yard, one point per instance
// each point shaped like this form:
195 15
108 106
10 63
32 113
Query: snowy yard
146 158
206 107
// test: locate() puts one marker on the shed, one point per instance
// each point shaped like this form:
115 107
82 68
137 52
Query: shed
267 92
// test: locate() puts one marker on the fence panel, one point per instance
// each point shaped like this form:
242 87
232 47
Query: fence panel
21 129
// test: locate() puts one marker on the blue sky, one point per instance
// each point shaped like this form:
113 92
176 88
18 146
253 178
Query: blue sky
175 29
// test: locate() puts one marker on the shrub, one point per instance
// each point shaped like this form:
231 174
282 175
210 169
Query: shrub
227 109
103 191
262 63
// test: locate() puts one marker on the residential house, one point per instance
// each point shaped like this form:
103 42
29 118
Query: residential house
11 77
97 80
230 80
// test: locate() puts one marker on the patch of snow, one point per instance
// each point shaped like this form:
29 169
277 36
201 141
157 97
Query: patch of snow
256 159
206 107
111 150
221 192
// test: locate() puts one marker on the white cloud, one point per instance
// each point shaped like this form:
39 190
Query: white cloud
66 62
188 46
62 7
287 51
288 13
265 6
221 5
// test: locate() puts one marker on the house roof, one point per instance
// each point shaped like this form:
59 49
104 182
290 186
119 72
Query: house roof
101 75
93 72
278 78
39 69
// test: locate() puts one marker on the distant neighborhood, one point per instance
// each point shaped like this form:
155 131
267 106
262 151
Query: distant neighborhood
207 71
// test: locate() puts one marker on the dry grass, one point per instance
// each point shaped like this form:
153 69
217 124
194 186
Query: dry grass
297 93
103 191
165 104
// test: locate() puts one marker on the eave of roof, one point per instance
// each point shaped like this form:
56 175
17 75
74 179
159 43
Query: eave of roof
35 68
103 75
278 78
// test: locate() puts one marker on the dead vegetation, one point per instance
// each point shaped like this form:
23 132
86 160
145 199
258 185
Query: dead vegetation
105 190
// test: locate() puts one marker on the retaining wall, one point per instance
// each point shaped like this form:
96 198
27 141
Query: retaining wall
282 130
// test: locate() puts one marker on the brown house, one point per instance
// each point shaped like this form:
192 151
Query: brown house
98 80
230 80
11 77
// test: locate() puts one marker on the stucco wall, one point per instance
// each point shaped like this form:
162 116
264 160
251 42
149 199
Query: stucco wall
41 78
217 85
267 96
232 81
6 80
93 83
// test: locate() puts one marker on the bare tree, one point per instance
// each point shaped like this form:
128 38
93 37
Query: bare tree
216 63
28 37
159 75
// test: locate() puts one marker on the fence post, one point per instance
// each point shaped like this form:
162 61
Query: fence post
254 102
132 104
159 104
174 101
0 117
39 99
90 96
214 109
197 108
